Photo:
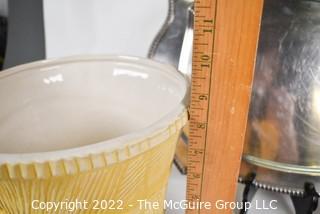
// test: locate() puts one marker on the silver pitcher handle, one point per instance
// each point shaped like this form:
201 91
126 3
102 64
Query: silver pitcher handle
173 43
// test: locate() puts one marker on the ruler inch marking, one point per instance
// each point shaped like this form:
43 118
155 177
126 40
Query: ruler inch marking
206 61
217 25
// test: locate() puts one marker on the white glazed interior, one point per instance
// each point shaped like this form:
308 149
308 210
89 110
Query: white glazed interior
80 105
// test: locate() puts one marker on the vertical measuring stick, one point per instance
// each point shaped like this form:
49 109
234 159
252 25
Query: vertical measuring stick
225 44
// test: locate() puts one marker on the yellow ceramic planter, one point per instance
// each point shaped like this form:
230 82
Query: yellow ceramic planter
88 134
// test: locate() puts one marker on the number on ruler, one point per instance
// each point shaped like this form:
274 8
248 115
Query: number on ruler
195 197
198 151
205 59
203 97
201 125
208 29
196 175
208 21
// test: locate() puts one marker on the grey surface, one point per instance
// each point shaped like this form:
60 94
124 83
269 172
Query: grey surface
4 7
26 40
177 191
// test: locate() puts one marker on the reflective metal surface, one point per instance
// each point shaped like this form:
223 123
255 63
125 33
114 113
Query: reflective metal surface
173 44
283 131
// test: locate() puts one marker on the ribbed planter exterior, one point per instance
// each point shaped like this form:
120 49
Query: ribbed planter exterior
136 172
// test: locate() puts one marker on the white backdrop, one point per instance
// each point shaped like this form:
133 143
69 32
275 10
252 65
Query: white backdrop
102 26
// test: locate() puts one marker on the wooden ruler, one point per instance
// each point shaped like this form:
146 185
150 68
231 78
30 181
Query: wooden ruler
225 44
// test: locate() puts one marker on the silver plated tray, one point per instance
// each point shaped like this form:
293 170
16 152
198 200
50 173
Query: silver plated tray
283 132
